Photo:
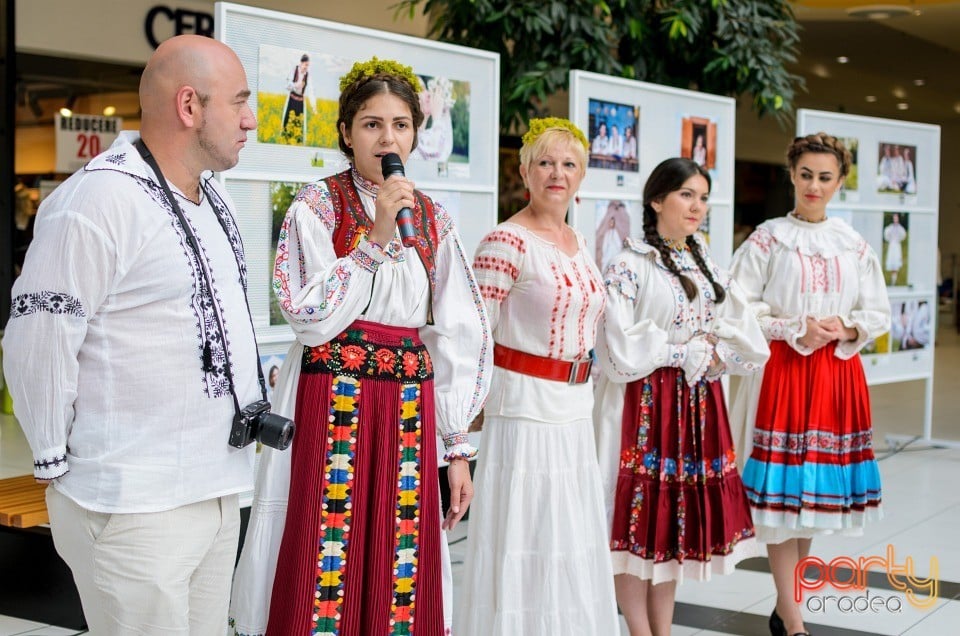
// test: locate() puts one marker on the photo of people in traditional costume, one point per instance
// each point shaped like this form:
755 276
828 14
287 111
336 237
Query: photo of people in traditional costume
613 228
537 559
294 112
435 137
393 349
894 234
674 324
817 288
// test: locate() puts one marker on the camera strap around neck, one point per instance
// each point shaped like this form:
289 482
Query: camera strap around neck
208 279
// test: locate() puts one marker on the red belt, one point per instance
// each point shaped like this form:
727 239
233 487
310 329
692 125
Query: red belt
576 372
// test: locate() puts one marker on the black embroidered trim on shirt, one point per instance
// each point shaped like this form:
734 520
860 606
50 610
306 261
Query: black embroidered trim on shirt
50 463
233 232
53 302
116 159
215 381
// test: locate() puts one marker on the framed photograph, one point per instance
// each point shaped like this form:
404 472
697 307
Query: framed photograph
443 138
911 325
297 96
849 190
698 141
895 256
897 170
613 136
271 370
614 224
282 194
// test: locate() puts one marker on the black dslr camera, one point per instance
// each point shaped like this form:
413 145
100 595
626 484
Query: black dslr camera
256 422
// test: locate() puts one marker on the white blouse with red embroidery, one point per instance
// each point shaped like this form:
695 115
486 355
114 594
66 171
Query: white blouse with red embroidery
540 301
791 269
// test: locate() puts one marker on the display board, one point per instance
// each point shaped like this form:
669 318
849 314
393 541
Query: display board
455 161
891 197
632 126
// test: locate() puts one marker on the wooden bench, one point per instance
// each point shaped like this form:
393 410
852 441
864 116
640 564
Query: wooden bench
22 502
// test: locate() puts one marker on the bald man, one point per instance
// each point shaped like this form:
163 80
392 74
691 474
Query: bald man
121 379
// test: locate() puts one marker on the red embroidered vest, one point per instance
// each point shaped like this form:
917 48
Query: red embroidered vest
352 222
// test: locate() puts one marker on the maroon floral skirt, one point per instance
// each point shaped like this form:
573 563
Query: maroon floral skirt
680 507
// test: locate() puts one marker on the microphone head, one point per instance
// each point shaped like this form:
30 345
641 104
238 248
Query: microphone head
390 164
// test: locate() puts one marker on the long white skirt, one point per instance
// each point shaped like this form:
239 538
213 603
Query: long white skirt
538 557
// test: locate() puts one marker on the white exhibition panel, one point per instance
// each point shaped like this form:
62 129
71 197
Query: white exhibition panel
875 204
667 121
269 43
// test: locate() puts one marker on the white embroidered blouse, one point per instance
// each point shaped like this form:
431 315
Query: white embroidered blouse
650 323
540 301
791 269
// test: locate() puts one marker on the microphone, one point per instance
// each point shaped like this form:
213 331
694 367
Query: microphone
390 165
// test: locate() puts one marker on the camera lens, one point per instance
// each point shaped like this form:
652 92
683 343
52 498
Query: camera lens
276 431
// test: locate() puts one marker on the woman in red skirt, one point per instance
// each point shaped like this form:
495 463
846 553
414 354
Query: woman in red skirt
393 347
818 291
674 324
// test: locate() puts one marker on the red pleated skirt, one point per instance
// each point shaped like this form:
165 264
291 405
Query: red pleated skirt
678 495
361 552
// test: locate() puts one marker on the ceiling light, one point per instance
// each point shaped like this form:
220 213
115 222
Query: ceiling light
878 11
903 106
67 110
843 59
871 98
919 82
110 111
899 93
956 107
820 70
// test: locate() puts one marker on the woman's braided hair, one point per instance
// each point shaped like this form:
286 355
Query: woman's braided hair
820 142
669 177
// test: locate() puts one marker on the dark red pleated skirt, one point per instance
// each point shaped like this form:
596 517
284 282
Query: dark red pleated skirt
678 496
360 553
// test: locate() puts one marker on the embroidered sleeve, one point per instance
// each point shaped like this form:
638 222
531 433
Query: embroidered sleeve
630 347
497 265
870 315
320 294
461 346
749 268
741 343
67 275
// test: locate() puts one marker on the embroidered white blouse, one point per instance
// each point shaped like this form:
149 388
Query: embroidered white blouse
544 302
103 352
791 269
320 295
650 323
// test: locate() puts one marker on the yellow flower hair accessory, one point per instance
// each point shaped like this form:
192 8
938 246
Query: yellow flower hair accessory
363 71
540 126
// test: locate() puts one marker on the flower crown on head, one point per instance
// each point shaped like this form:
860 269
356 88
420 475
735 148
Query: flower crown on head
540 126
363 71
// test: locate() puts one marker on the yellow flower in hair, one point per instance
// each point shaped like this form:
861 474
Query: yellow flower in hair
363 71
540 126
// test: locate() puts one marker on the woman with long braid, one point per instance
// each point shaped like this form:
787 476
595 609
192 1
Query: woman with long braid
674 324
817 289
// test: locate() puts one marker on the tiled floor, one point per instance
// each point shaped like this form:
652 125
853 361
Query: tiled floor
922 516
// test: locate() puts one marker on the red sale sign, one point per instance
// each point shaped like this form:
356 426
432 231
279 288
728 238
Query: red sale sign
80 138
